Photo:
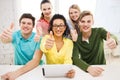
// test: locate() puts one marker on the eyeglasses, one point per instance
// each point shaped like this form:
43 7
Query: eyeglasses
58 26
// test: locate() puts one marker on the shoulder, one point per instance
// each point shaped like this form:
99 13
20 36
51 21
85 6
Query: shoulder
41 20
67 40
44 37
99 29
17 33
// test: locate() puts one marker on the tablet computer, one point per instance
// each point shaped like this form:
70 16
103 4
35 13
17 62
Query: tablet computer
56 70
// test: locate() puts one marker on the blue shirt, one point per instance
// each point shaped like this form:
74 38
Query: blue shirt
24 48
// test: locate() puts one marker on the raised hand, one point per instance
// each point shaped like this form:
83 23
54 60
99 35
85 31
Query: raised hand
111 43
38 34
6 35
50 41
74 34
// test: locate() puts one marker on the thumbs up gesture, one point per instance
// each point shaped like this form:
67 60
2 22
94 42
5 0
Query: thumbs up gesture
50 41
38 34
6 35
111 43
74 34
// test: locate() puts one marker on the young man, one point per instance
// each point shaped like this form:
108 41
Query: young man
22 40
89 47
64 56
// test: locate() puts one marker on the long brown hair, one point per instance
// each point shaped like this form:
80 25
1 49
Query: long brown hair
43 2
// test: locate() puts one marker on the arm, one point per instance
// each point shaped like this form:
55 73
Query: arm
77 58
92 70
29 66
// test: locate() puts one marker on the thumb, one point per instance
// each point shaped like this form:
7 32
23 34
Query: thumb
11 26
39 30
108 36
51 34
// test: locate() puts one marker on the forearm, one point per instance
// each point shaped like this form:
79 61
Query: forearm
80 63
29 66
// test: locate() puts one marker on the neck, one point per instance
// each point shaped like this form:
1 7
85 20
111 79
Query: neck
47 19
58 39
26 36
86 35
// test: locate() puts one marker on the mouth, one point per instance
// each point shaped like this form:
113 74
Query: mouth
85 27
25 29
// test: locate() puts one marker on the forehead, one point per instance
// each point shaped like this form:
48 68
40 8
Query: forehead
58 21
87 17
46 5
72 9
26 20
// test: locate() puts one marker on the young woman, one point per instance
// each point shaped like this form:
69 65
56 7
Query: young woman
74 14
89 49
43 23
53 46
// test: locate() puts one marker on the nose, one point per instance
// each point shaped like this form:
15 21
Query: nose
58 28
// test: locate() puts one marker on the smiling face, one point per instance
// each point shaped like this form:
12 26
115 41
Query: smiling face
26 26
58 27
46 9
74 14
85 23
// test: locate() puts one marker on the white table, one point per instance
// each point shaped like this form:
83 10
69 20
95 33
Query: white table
111 73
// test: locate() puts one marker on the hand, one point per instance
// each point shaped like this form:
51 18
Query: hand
95 71
9 76
111 43
74 34
38 34
50 41
71 73
6 35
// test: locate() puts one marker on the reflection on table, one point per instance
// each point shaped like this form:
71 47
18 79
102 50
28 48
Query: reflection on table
111 73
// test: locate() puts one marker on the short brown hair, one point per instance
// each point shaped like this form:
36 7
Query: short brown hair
85 13
27 15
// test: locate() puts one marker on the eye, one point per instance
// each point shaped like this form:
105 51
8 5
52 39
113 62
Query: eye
44 9
22 22
29 23
89 21
82 21
75 12
71 13
49 8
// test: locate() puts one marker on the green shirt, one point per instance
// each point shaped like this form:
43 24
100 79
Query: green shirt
92 53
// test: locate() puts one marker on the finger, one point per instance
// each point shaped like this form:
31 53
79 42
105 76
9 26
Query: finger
108 36
51 34
11 26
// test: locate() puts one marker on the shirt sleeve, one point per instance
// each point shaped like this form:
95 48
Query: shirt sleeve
76 57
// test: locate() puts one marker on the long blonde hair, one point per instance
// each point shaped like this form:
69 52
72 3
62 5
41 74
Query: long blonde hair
74 23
